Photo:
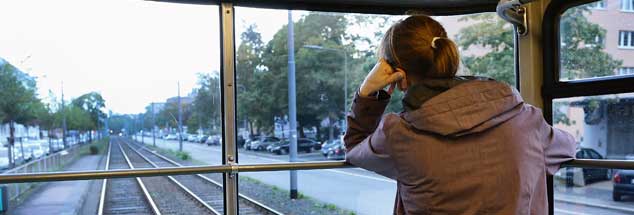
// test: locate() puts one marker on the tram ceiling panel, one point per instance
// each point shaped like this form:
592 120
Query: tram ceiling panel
429 7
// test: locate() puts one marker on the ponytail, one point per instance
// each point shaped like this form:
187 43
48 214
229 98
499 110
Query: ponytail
446 58
419 45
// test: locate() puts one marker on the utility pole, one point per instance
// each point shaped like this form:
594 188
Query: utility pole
153 126
63 118
180 119
142 128
291 104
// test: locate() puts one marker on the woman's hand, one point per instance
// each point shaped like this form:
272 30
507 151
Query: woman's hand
381 75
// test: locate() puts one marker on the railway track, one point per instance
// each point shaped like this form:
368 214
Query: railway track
208 190
123 195
171 196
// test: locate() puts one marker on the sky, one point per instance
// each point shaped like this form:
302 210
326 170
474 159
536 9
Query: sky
132 52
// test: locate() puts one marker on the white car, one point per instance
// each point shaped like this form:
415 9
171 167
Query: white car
171 137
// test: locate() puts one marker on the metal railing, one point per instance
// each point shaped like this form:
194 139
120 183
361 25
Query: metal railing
146 172
22 177
51 163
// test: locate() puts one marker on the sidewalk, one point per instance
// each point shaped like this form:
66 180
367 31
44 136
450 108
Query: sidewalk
594 195
60 197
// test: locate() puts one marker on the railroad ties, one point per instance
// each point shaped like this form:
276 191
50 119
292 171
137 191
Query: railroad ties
180 194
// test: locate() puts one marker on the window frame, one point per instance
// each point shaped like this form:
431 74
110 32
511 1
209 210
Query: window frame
622 42
554 88
230 166
631 9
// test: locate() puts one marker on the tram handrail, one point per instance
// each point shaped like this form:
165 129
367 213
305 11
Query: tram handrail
146 172
595 163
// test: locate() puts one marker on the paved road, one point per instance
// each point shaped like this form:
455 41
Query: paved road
355 189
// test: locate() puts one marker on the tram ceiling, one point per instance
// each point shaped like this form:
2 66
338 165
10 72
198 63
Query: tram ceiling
429 7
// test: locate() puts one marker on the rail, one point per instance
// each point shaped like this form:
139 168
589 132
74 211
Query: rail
145 172
259 206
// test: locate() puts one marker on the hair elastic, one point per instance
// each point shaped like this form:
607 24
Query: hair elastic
433 42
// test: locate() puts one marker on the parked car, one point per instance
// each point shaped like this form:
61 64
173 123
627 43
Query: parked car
282 147
591 174
336 152
327 145
248 142
171 137
214 140
192 138
263 143
36 150
623 182
202 139
314 145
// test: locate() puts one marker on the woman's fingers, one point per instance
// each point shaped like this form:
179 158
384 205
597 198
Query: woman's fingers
391 89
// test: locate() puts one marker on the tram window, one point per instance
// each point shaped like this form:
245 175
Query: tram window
582 54
602 127
118 66
333 53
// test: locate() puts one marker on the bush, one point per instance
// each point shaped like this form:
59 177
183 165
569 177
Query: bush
183 155
94 150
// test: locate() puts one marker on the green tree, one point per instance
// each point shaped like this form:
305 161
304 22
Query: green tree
495 35
204 112
582 49
319 73
582 46
19 103
93 103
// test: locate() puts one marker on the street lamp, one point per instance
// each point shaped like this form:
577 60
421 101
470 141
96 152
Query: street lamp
345 71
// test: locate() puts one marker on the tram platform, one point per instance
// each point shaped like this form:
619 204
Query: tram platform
66 197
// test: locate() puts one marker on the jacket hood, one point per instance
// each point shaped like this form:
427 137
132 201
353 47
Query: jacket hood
470 107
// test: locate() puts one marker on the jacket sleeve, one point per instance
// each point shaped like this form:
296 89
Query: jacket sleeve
366 136
559 147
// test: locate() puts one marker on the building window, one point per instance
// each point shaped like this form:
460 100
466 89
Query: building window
626 39
626 71
598 5
627 5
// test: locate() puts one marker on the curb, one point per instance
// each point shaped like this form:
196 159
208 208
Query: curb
630 210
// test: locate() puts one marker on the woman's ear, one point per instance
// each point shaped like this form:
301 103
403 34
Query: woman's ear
402 84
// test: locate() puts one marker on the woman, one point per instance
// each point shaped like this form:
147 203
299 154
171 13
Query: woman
463 145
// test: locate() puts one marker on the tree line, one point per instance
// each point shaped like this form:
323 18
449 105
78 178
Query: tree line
19 104
327 54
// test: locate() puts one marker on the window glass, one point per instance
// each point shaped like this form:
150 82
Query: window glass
595 43
598 5
626 39
333 53
119 71
602 127
627 5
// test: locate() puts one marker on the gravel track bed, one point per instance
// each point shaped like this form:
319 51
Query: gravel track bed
275 198
123 195
207 191
169 198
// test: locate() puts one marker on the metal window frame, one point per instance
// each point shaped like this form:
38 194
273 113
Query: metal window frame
554 88
436 8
